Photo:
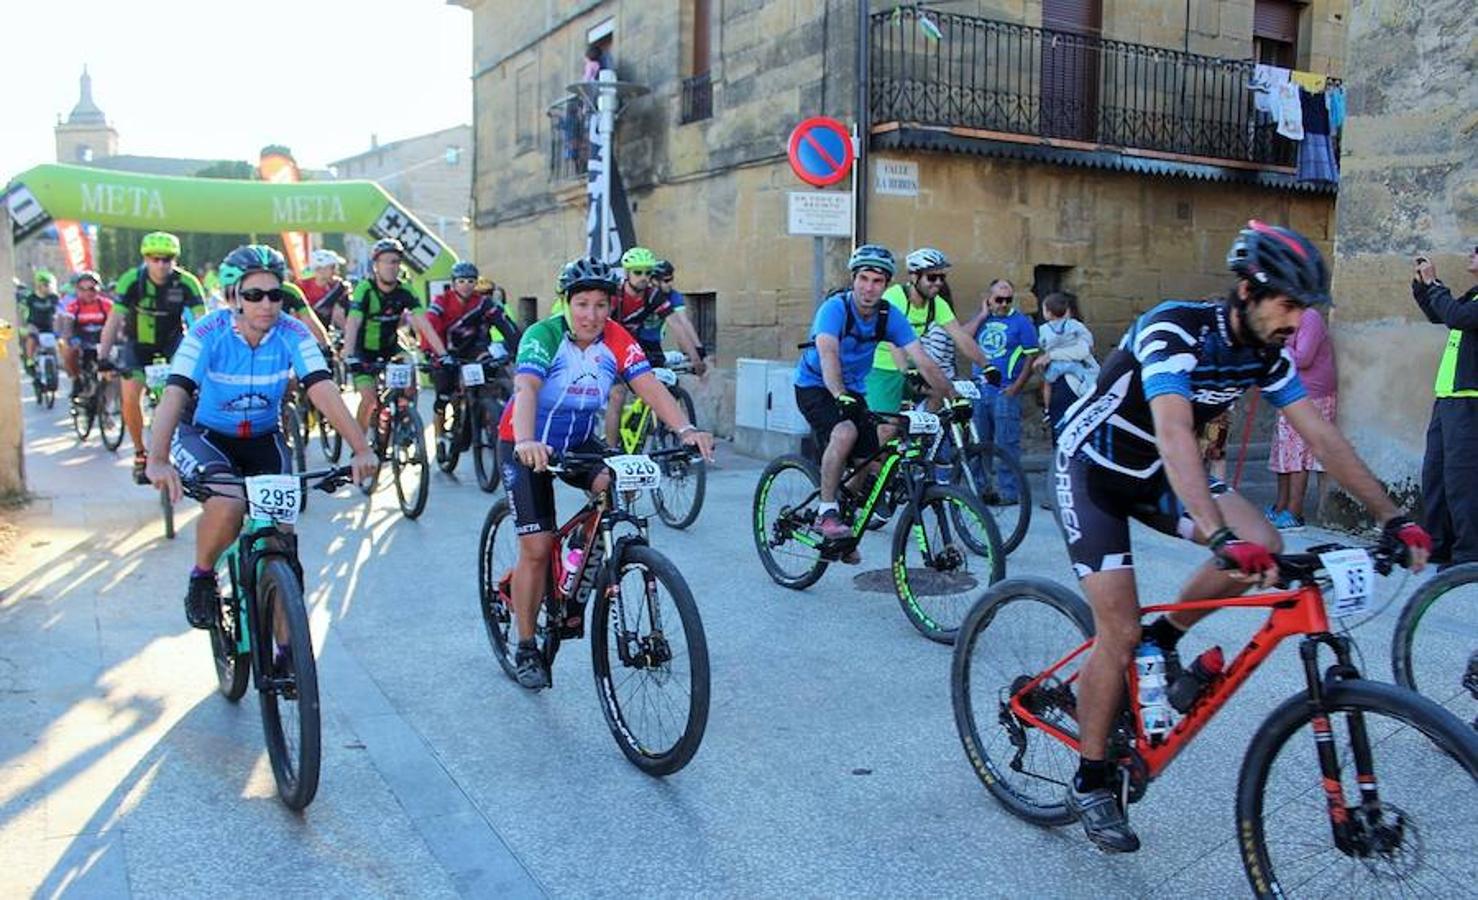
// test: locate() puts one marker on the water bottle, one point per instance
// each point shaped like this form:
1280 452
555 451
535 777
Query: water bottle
1154 706
572 569
1194 680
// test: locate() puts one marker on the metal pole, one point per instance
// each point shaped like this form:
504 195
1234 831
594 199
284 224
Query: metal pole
864 122
818 270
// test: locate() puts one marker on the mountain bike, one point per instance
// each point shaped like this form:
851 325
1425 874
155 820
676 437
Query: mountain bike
649 652
470 420
98 400
399 435
684 478
940 532
156 378
1303 824
44 370
1434 650
262 629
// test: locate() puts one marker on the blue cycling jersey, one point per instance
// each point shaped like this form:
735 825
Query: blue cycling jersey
241 386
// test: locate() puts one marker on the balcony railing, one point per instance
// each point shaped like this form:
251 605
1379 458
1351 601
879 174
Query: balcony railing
1017 79
569 140
697 98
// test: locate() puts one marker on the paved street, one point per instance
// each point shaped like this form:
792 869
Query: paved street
830 767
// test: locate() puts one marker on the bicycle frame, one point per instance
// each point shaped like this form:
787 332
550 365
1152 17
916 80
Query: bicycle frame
260 540
895 452
1293 612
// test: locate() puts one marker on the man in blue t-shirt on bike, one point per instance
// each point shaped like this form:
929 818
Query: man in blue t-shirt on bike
831 375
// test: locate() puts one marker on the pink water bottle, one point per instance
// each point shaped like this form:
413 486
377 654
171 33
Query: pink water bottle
573 558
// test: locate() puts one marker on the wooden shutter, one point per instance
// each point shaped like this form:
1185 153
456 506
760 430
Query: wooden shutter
1276 20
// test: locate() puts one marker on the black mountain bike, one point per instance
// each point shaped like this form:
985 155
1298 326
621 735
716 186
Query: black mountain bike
98 400
44 370
649 651
262 628
399 435
1435 648
945 544
470 420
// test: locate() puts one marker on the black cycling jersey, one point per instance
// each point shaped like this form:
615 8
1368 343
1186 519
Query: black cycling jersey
40 312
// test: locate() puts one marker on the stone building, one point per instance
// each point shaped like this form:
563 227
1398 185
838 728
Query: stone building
1104 147
431 174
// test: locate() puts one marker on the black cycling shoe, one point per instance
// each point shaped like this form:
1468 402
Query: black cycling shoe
531 671
1103 821
202 601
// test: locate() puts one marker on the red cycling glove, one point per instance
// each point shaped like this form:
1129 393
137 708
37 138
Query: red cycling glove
1409 533
1247 557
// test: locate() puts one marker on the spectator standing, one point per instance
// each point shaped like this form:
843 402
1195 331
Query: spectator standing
1291 459
1008 338
1450 468
1066 362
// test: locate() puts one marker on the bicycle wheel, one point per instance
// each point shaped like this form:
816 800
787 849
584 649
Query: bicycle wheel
485 444
651 662
1416 839
978 473
1435 648
935 576
1017 630
329 439
289 696
497 552
82 418
684 481
233 667
784 511
408 462
110 413
448 449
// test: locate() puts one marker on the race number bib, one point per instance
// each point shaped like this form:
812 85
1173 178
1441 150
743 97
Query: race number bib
156 374
472 375
398 375
920 422
635 472
666 376
273 497
1352 578
47 340
967 389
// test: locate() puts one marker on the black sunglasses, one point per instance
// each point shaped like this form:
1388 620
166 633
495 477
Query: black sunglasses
934 277
257 295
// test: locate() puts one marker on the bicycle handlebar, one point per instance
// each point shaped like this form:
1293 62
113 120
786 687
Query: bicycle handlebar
198 487
574 461
1306 566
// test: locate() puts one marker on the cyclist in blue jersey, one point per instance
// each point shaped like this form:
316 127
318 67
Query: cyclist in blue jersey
566 367
1127 449
240 360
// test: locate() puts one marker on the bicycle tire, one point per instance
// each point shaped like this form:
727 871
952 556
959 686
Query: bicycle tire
82 419
330 442
1053 810
672 513
941 625
1012 536
448 448
1368 698
110 413
408 426
1417 606
485 460
655 761
297 780
497 614
807 574
233 668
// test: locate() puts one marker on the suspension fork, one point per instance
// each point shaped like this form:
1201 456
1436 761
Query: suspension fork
1343 830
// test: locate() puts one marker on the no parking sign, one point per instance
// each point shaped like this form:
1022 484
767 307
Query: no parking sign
821 151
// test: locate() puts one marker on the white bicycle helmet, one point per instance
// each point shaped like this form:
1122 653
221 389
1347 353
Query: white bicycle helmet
926 258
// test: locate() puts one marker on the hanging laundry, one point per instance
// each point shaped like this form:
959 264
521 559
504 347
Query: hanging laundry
1310 82
1334 101
1316 160
1290 111
1264 87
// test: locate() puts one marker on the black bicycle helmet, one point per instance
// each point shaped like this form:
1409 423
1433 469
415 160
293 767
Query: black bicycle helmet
664 270
386 245
586 273
1280 261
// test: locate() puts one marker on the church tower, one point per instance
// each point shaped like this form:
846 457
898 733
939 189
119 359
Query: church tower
86 135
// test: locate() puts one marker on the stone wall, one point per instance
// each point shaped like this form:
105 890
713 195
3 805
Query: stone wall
12 432
416 172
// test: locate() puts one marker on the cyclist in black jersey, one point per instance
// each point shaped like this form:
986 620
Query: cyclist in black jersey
1128 449
38 313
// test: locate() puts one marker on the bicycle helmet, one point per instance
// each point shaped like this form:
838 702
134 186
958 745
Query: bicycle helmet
664 269
484 284
386 245
872 256
44 276
159 243
464 269
88 275
586 273
926 258
318 259
251 258
1280 261
638 259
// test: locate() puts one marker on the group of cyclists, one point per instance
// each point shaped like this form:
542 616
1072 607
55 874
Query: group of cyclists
1127 448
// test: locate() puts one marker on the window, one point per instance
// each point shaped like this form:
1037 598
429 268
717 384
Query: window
526 106
703 313
1049 279
528 311
1275 32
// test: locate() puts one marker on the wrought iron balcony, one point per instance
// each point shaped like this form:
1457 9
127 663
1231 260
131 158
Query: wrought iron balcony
569 139
1002 78
697 98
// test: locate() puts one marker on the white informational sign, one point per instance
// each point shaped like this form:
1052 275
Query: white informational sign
1352 578
897 177
820 213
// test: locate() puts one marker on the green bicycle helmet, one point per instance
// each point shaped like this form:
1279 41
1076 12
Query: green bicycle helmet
160 243
638 259
251 258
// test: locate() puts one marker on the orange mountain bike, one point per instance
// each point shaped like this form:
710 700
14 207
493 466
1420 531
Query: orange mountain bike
1405 822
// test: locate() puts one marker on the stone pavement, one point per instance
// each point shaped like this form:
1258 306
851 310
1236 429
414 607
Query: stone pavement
830 767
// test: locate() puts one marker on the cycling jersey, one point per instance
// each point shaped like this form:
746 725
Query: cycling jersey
380 314
465 326
88 319
577 382
858 337
40 312
642 314
156 315
325 298
241 386
1179 347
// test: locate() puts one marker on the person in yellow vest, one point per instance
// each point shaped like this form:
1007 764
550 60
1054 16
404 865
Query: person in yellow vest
1450 467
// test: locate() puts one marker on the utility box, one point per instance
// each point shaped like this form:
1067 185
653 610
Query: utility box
766 420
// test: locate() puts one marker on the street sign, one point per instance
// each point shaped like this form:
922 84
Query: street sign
821 151
820 213
897 177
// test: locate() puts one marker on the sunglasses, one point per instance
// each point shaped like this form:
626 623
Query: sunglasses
934 277
638 271
160 259
1004 301
257 295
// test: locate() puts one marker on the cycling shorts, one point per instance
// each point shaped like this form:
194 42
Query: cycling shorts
132 357
1094 505
531 494
822 413
200 451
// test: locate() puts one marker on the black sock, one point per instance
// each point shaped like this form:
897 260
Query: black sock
1164 632
1092 775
